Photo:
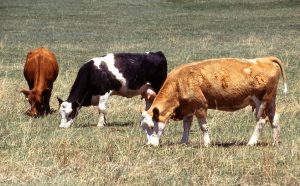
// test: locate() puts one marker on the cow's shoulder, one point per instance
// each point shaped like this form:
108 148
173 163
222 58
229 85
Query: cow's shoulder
103 75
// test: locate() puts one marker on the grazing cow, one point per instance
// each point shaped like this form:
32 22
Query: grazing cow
40 71
221 84
123 74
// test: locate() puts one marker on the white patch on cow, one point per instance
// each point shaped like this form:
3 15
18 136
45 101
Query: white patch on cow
129 93
65 110
153 140
147 52
252 61
102 107
154 130
276 120
109 59
254 138
275 129
147 120
161 127
204 128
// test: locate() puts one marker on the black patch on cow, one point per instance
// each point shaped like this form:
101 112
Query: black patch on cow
90 81
139 69
103 80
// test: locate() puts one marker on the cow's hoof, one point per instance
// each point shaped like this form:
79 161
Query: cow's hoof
100 126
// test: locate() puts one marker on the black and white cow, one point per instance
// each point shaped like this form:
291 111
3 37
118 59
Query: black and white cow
123 74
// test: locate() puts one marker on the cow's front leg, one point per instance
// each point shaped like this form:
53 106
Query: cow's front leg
201 117
102 118
204 128
102 109
254 138
187 122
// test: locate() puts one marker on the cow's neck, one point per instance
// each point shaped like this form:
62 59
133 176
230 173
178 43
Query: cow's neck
166 102
78 95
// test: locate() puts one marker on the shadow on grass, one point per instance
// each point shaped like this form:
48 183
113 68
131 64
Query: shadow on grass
52 111
220 144
108 125
231 144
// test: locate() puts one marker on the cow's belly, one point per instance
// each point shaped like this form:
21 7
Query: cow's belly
95 100
129 93
231 105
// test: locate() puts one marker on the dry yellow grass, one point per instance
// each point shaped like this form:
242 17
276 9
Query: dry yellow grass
34 151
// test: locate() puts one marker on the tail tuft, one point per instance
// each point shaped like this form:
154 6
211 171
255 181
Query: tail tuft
285 88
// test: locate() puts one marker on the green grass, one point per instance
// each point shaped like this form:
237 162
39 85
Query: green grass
37 152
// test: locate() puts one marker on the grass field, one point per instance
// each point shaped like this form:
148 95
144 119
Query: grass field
36 152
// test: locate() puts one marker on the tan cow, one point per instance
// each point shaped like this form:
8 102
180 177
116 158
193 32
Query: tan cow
40 71
225 84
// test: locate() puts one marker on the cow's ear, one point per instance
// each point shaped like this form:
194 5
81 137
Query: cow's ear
59 100
155 114
25 92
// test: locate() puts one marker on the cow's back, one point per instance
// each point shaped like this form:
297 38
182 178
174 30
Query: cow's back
157 71
41 64
227 82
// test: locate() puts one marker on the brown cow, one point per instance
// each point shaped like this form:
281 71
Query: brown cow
225 84
40 71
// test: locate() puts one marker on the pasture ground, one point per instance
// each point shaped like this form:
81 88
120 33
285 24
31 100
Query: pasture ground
34 151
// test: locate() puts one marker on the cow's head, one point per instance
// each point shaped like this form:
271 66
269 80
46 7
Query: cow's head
36 100
68 112
152 126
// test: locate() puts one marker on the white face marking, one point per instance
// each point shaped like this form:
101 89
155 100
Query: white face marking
147 120
153 140
154 130
65 111
109 59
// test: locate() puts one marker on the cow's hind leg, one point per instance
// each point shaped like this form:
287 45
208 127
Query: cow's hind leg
260 121
102 109
187 122
274 120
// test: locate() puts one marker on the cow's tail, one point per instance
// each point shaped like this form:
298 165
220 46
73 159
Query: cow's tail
280 64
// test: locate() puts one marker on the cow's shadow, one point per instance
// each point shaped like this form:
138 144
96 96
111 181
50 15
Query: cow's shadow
221 144
237 144
107 125
42 115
